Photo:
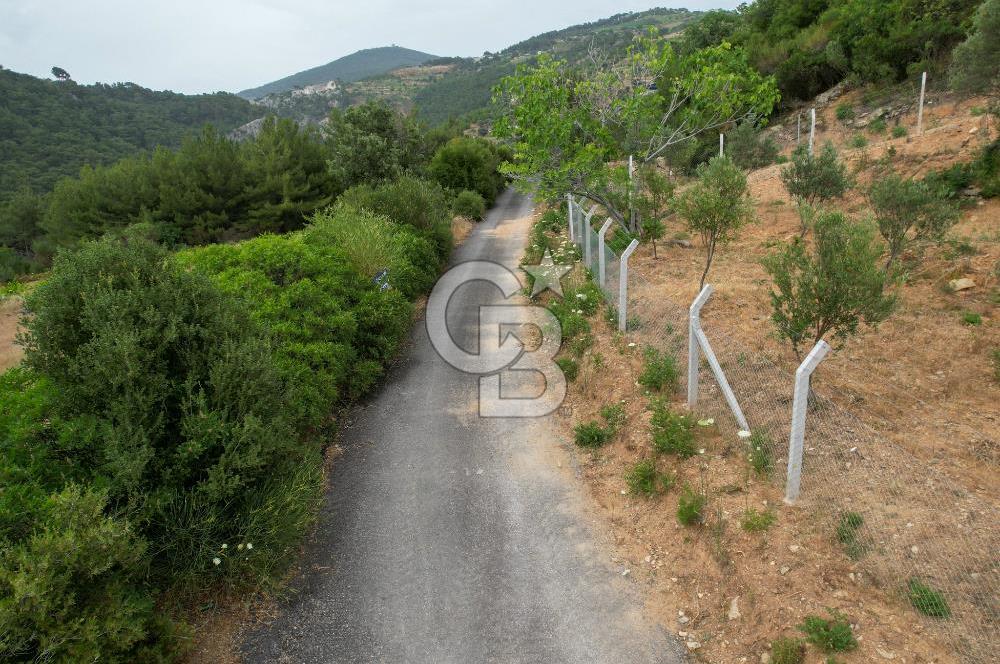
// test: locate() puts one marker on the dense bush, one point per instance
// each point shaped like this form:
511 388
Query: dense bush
468 163
469 204
418 203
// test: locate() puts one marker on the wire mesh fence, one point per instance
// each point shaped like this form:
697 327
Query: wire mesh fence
921 537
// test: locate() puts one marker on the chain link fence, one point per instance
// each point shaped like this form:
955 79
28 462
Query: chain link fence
912 530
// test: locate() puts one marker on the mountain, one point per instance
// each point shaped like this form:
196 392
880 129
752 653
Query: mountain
354 67
49 129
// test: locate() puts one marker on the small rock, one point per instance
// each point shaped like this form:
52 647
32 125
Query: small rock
885 654
765 658
793 548
784 570
625 572
683 620
961 284
693 645
734 609
914 550
682 634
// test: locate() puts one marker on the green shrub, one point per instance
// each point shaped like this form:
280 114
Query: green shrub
877 126
848 534
928 601
829 634
644 479
754 521
572 324
691 507
760 453
614 415
410 201
72 591
909 211
788 651
468 163
591 434
899 131
469 204
660 371
672 433
972 318
845 112
587 297
569 367
749 149
858 141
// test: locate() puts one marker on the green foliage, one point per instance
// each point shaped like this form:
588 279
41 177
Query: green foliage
909 211
717 206
652 230
591 434
975 63
760 452
749 149
418 203
829 634
815 178
672 433
644 479
468 164
830 289
20 226
659 371
858 141
972 318
569 367
849 534
788 651
754 521
72 590
928 601
50 129
614 415
876 126
371 143
691 507
899 131
469 204
845 112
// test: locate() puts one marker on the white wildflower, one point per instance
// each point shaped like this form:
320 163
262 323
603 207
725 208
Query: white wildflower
225 546
743 433
216 561
249 545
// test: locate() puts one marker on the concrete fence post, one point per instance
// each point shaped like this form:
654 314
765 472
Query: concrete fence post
569 209
601 262
812 128
585 236
696 339
623 285
920 106
800 405
722 145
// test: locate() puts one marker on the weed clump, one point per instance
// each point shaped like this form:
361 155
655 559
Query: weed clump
614 415
591 434
660 371
847 534
755 522
760 455
927 600
787 651
691 507
672 433
831 634
644 479
569 367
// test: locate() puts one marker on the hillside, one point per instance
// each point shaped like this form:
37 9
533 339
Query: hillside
354 67
49 129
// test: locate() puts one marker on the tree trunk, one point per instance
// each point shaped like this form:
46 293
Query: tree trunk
708 263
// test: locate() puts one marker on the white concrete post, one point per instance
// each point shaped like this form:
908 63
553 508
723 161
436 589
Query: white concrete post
697 338
722 145
812 128
569 209
920 107
623 284
799 406
601 263
585 236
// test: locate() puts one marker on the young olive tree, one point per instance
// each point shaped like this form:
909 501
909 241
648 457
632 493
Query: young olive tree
909 211
572 127
813 179
831 288
716 206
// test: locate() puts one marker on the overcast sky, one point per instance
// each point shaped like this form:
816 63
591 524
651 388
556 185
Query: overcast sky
208 45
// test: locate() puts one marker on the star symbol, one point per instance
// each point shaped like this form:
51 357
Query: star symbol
547 275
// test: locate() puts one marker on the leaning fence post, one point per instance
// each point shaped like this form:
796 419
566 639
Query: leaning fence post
700 340
623 284
800 404
694 322
601 262
569 211
920 108
812 128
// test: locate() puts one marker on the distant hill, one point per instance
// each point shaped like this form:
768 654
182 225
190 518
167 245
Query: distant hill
354 67
49 129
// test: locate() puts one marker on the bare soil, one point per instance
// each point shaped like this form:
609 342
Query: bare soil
10 315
